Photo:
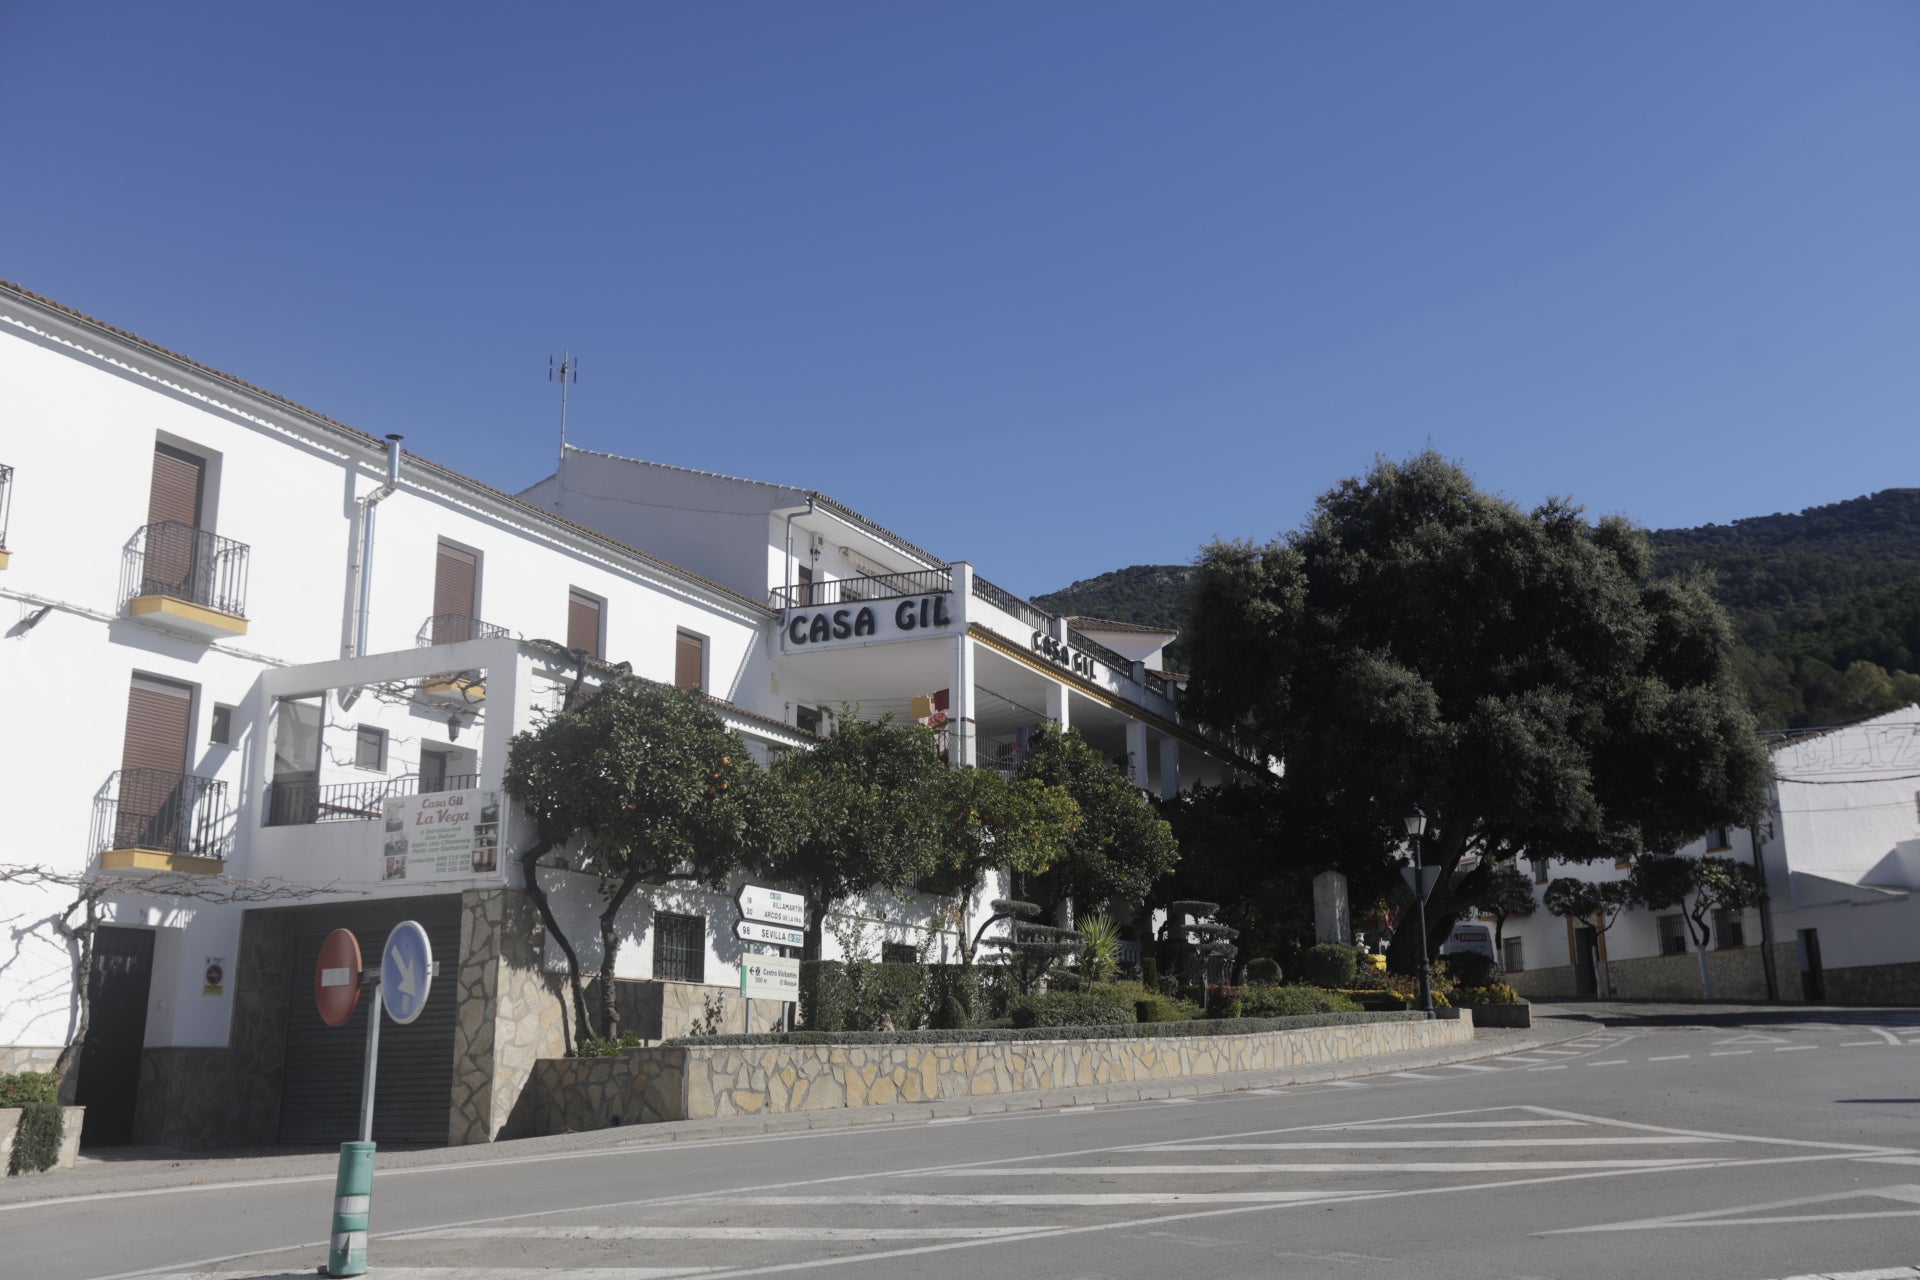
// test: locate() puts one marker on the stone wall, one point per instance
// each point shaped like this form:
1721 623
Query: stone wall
199 1099
15 1058
511 1014
661 1010
1739 973
642 1086
1874 984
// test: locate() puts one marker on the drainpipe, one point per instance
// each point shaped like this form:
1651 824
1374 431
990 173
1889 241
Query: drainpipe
365 567
789 592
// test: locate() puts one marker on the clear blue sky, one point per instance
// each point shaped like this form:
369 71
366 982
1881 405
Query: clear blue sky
1056 288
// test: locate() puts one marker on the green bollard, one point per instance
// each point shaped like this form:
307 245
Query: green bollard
352 1208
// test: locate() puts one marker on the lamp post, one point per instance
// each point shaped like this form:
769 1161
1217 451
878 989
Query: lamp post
1416 821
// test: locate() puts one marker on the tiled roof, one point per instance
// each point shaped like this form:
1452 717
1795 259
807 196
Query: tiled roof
242 384
1084 623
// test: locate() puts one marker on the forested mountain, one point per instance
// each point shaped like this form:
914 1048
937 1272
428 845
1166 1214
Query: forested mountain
1825 602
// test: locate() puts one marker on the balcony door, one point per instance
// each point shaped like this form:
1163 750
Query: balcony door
153 760
456 582
296 761
174 500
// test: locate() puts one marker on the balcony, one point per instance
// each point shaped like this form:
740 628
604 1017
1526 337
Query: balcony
865 587
158 820
187 580
6 509
292 804
457 688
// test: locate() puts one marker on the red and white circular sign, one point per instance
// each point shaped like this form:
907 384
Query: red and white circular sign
336 979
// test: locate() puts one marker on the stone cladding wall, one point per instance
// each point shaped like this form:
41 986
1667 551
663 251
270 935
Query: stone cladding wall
1874 984
1739 973
646 1085
511 1012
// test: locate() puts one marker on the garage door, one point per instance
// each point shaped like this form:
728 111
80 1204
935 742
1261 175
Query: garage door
321 1101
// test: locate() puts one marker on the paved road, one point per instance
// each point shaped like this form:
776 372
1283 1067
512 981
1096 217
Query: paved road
1747 1144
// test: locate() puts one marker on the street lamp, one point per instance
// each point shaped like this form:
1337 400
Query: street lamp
1416 821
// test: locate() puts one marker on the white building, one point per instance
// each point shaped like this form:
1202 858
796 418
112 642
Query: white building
244 633
1840 852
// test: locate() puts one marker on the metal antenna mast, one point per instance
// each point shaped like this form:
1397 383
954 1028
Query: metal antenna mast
566 372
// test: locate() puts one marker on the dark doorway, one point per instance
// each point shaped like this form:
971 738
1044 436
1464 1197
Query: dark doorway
1585 942
116 1032
1813 981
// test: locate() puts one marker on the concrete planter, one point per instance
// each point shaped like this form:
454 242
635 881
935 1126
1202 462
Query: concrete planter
71 1120
1503 1015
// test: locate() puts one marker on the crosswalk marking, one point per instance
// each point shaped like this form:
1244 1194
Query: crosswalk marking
722 1233
1405 1144
1092 1199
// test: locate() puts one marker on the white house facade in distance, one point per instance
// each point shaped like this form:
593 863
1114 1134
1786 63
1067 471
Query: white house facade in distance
274 663
1840 852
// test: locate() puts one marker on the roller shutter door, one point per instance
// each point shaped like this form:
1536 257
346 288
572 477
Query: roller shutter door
321 1100
689 660
456 574
173 500
583 623
153 755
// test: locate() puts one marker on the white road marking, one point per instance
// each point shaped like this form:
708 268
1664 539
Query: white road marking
1415 1166
951 1120
458 1273
1415 1075
1470 1066
1753 1038
722 1233
1890 1160
1670 1057
1556 1067
1523 1061
1568 1053
1452 1124
1346 1084
1610 1062
1265 1093
1728 1053
1095 1199
1636 1140
1761 1214
1795 1048
1885 1034
1855 1044
1878 1273
1177 1102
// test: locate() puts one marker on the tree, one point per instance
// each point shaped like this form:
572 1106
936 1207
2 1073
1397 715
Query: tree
1598 902
644 784
1121 846
1505 891
1514 673
1666 880
864 812
79 921
988 822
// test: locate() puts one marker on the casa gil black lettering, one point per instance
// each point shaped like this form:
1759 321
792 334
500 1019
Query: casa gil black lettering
842 624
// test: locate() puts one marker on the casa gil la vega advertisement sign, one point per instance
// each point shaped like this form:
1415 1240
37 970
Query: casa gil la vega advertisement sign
442 835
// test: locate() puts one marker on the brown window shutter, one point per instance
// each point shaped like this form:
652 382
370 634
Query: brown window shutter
158 718
689 660
583 623
455 575
178 479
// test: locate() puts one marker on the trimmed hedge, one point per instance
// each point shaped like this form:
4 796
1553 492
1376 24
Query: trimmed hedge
1264 972
1092 1007
986 1035
1329 965
837 997
1492 993
1282 1002
36 1143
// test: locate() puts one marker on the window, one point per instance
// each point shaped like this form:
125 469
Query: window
1719 838
220 733
690 661
1539 870
679 947
1516 961
806 584
583 622
807 719
898 953
1730 928
1673 935
370 748
456 586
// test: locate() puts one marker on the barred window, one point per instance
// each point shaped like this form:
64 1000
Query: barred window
898 953
679 947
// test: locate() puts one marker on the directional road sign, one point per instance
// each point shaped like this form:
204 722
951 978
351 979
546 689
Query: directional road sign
1424 888
336 979
770 978
406 971
771 906
777 934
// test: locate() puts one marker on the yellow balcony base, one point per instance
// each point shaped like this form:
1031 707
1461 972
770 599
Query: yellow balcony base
5 556
462 689
158 860
180 615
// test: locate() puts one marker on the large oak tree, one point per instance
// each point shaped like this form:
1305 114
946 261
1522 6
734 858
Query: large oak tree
1515 673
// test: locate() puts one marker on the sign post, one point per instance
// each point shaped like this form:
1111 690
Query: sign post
775 918
406 972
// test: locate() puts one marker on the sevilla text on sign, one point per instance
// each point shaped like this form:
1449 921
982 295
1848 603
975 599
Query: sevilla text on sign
773 934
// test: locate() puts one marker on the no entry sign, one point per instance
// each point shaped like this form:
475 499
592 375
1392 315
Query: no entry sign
336 979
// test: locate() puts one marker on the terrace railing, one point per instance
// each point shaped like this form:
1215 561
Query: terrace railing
877 586
1006 601
457 628
1121 666
299 803
162 811
185 563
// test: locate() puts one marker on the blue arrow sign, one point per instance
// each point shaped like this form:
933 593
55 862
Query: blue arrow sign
406 971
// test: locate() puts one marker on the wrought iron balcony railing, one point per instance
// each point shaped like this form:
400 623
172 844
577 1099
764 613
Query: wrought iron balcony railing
1159 684
194 565
6 501
1010 603
161 811
296 804
1121 666
880 586
457 628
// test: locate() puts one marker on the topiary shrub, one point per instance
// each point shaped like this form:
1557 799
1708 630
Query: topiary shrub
1150 973
1329 965
36 1143
1490 993
1287 1002
1099 1006
1264 972
1223 1001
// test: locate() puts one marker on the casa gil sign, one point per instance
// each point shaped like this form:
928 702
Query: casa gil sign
773 934
867 623
771 906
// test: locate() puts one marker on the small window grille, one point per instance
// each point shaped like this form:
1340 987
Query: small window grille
1673 935
1516 960
679 947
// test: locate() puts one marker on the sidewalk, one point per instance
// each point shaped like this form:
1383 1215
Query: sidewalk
156 1168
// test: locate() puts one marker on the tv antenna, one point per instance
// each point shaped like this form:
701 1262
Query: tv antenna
566 372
